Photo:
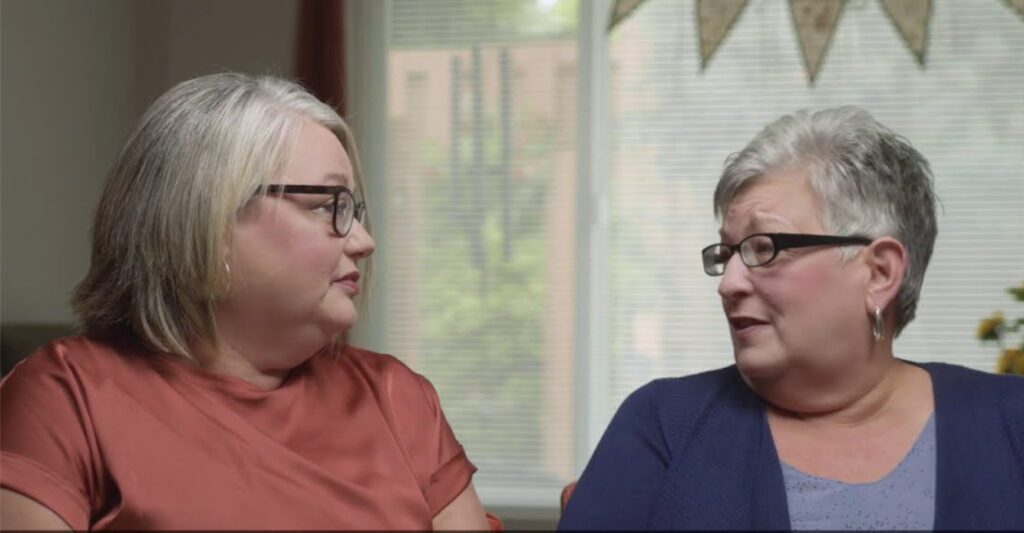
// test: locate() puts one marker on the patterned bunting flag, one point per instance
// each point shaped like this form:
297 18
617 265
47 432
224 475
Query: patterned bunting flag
911 19
621 10
815 22
715 18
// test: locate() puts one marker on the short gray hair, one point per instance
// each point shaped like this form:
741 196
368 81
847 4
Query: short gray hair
194 159
870 181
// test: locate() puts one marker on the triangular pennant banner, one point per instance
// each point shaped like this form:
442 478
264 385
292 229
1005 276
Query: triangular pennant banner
815 22
911 19
715 18
621 10
1018 5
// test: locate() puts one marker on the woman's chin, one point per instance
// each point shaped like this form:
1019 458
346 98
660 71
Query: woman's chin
341 317
759 365
341 327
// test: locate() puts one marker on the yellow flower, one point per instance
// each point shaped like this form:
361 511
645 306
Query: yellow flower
1017 367
1011 362
988 328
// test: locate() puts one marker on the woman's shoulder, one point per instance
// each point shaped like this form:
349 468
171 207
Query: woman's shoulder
76 355
692 389
678 404
69 370
378 365
390 373
972 395
956 379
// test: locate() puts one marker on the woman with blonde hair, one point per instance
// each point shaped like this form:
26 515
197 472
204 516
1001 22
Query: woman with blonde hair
827 226
212 387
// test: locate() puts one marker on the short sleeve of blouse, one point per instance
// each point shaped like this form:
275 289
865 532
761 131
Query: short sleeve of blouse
46 437
439 461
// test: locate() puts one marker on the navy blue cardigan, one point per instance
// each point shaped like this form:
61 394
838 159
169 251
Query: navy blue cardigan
696 453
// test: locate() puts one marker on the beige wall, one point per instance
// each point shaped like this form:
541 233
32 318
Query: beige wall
75 75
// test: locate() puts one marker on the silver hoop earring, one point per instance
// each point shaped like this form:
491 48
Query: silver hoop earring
227 271
878 328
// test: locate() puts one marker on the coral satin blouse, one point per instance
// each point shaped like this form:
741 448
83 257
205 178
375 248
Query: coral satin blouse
108 436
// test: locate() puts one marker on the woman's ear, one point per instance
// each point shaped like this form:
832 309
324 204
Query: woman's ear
886 259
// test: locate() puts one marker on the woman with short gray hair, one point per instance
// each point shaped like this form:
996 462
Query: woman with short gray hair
828 224
212 387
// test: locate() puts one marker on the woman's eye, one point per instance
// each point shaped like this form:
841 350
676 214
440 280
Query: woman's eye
326 208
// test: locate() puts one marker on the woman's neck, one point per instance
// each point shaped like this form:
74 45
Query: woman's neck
228 360
260 355
892 391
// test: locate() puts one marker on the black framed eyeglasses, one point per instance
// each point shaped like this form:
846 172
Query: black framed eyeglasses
760 249
345 208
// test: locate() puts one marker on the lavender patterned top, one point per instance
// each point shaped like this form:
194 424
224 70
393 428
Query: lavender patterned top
904 499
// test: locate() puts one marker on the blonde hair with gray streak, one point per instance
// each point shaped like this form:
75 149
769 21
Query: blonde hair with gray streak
870 182
168 208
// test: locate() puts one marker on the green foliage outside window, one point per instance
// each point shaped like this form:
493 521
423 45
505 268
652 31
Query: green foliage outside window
484 293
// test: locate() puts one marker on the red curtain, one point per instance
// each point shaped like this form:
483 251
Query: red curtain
321 51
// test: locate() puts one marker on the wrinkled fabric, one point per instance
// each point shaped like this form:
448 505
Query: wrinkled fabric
107 435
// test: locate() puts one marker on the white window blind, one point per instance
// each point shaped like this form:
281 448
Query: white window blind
489 222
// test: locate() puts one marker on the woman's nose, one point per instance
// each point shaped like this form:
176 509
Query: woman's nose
736 278
358 243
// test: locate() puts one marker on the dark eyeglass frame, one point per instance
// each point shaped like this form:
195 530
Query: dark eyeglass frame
358 208
780 242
